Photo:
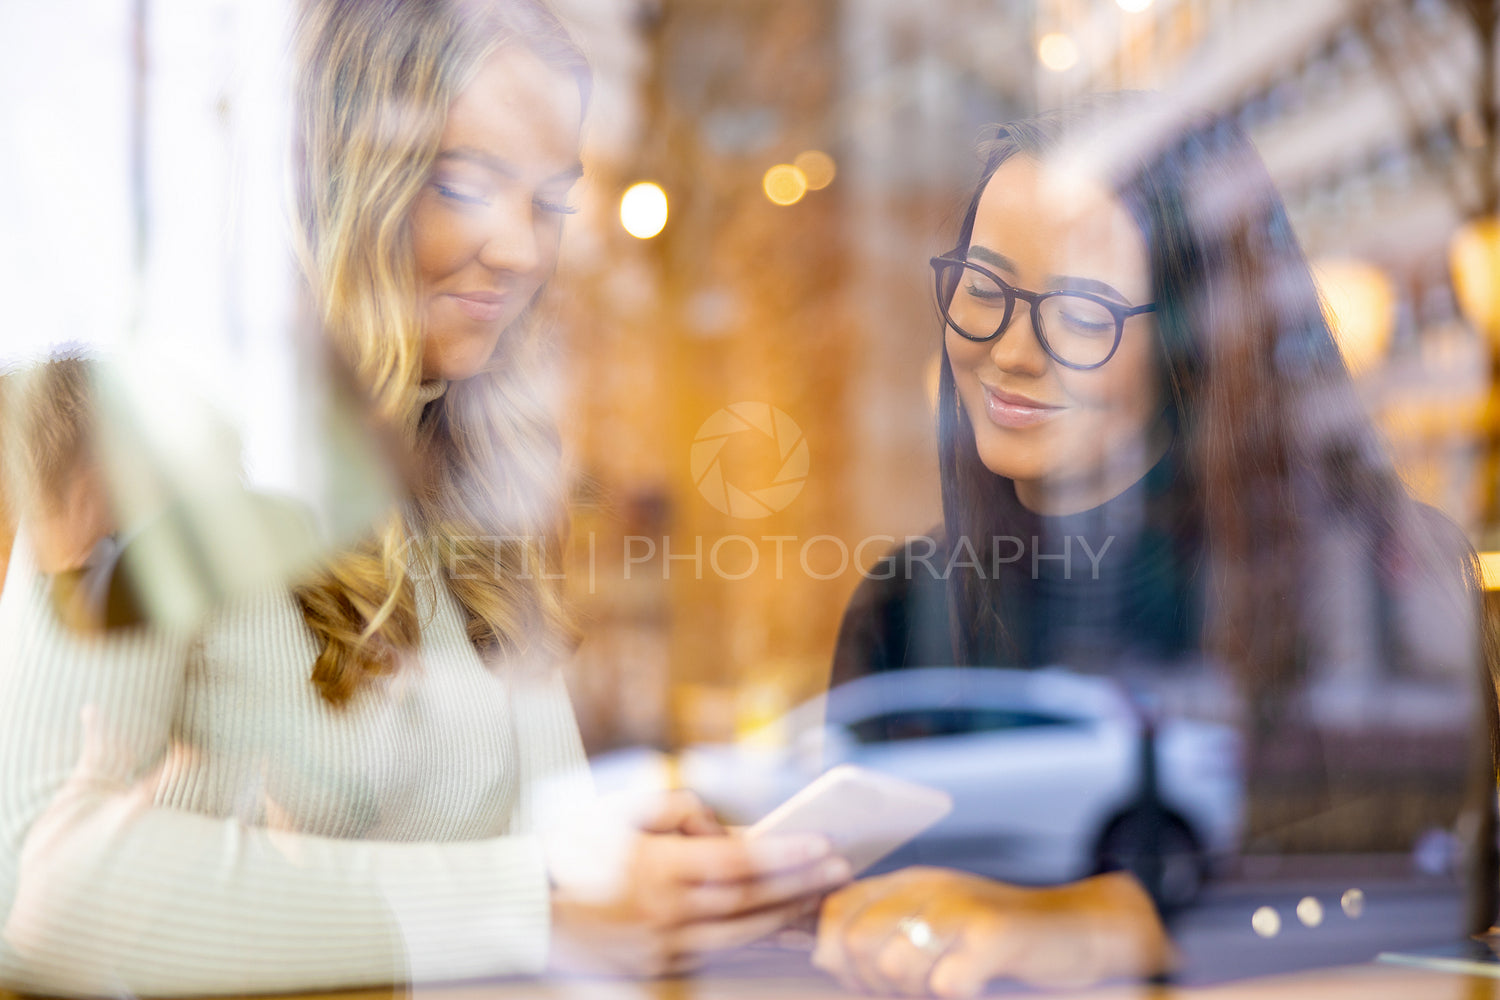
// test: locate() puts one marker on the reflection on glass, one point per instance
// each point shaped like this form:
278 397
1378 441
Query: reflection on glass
1166 606
1182 620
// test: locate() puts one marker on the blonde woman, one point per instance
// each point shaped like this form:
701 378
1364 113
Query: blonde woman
351 782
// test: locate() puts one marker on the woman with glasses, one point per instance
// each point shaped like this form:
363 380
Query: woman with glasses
1147 437
366 777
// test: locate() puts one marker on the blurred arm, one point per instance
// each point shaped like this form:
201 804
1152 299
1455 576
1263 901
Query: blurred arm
103 891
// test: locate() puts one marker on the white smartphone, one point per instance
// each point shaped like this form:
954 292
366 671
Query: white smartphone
865 814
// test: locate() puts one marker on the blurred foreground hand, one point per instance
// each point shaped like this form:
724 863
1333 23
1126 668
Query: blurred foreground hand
932 931
132 491
675 887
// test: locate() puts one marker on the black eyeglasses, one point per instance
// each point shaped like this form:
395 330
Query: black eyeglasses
1077 329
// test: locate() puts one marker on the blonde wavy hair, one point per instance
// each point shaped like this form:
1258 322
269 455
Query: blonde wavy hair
376 79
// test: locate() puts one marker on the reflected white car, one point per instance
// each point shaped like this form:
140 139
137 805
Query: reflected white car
1045 768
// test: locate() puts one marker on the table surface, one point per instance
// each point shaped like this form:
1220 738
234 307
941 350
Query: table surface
1361 982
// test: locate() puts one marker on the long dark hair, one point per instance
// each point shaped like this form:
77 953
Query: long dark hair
1268 428
1273 452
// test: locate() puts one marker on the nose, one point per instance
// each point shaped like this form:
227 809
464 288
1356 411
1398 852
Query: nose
510 237
1017 348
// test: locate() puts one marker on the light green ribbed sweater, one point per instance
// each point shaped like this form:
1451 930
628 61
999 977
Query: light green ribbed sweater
185 815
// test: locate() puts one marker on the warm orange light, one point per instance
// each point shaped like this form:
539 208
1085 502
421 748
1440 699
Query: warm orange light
817 166
1361 308
1489 566
1057 52
784 184
932 379
643 210
1474 258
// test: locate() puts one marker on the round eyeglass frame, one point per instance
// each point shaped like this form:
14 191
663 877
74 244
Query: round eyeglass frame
1121 313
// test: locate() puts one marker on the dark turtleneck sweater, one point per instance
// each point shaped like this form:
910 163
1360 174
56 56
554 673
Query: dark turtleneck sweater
1110 585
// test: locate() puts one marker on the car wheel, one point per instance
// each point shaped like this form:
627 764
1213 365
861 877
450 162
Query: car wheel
1135 841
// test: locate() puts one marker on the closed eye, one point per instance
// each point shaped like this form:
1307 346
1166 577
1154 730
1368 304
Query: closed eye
985 292
555 207
462 197
1088 324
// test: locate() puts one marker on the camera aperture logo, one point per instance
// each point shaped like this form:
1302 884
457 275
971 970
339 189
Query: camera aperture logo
772 432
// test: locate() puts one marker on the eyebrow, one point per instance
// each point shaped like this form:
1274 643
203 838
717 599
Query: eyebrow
1088 285
504 168
1068 282
994 259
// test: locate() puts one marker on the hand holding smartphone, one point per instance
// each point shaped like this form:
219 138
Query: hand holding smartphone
864 814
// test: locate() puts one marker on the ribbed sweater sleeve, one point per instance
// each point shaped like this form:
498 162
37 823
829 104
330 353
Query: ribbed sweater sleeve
555 779
103 891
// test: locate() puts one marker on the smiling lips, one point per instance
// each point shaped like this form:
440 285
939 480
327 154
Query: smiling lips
481 307
1007 409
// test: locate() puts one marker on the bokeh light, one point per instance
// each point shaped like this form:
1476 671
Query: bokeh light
1474 258
1057 52
1353 903
784 184
1310 911
817 166
1362 309
643 210
1266 922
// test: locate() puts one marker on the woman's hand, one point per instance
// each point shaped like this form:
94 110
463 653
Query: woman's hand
682 897
682 812
933 931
